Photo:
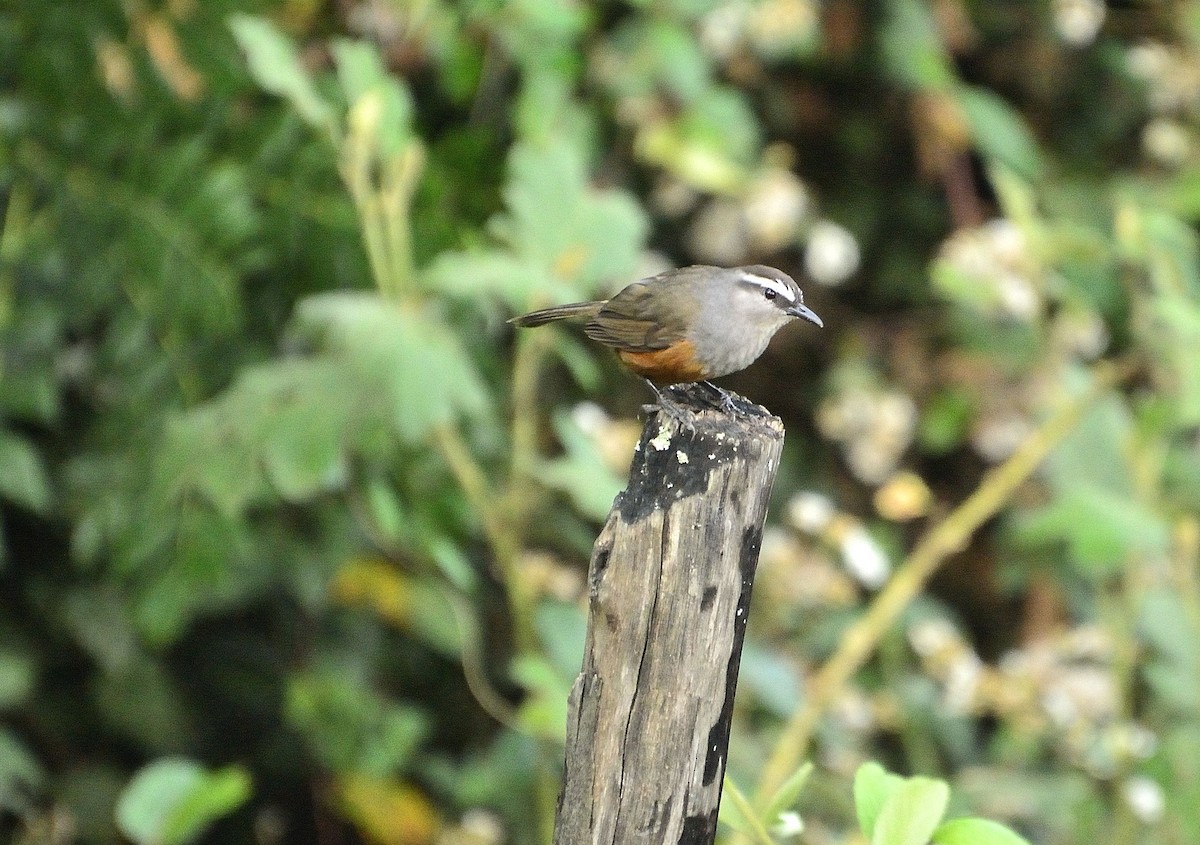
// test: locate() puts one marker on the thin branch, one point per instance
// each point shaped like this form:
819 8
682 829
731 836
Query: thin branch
931 551
501 539
527 365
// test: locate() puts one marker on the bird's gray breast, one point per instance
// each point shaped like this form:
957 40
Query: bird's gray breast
727 341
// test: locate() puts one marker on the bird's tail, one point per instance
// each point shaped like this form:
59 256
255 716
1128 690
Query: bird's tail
558 312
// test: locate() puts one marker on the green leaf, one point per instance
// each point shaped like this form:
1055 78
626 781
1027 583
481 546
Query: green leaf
302 435
284 424
171 801
1172 252
975 832
451 561
276 66
1176 337
945 420
543 712
913 52
21 775
362 74
521 282
564 238
222 792
349 726
18 673
580 472
657 54
208 570
911 813
562 629
23 478
999 131
1105 431
1101 529
403 363
1173 668
547 109
431 619
712 146
873 786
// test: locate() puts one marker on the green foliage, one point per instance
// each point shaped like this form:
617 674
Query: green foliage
908 811
278 486
171 801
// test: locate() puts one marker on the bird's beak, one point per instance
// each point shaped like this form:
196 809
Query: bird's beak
806 313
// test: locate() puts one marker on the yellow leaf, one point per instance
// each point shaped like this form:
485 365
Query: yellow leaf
388 811
375 584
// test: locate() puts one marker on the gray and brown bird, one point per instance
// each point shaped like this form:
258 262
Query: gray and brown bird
691 324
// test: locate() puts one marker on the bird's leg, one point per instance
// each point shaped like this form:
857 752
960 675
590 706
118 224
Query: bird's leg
669 406
727 403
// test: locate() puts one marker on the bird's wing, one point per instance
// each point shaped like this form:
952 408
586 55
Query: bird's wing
622 322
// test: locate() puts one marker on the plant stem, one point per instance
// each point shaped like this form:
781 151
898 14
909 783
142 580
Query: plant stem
501 539
939 542
527 364
760 834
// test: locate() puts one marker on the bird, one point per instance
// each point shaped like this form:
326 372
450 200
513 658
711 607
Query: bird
690 324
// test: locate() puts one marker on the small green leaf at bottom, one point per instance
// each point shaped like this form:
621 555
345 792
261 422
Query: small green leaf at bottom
171 801
873 785
911 813
975 832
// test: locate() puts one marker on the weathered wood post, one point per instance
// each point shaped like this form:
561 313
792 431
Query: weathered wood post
669 587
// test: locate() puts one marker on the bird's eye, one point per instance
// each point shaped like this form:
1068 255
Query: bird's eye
769 294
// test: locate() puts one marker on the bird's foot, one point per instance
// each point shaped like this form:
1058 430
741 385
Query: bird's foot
728 405
677 411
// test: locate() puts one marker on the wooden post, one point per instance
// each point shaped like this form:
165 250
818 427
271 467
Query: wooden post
669 586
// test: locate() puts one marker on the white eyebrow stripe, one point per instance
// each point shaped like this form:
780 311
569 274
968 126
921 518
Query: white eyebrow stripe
770 284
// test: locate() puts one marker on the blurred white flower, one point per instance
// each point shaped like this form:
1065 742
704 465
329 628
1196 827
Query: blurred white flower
875 426
787 825
1141 741
896 413
832 254
997 435
993 269
1166 141
1148 60
484 826
1078 21
590 418
774 207
723 29
811 512
672 197
780 26
863 558
1006 240
871 459
1017 296
718 234
853 709
1172 76
930 636
1145 798
1081 333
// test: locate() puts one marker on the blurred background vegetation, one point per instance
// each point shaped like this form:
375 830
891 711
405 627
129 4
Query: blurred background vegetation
295 529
